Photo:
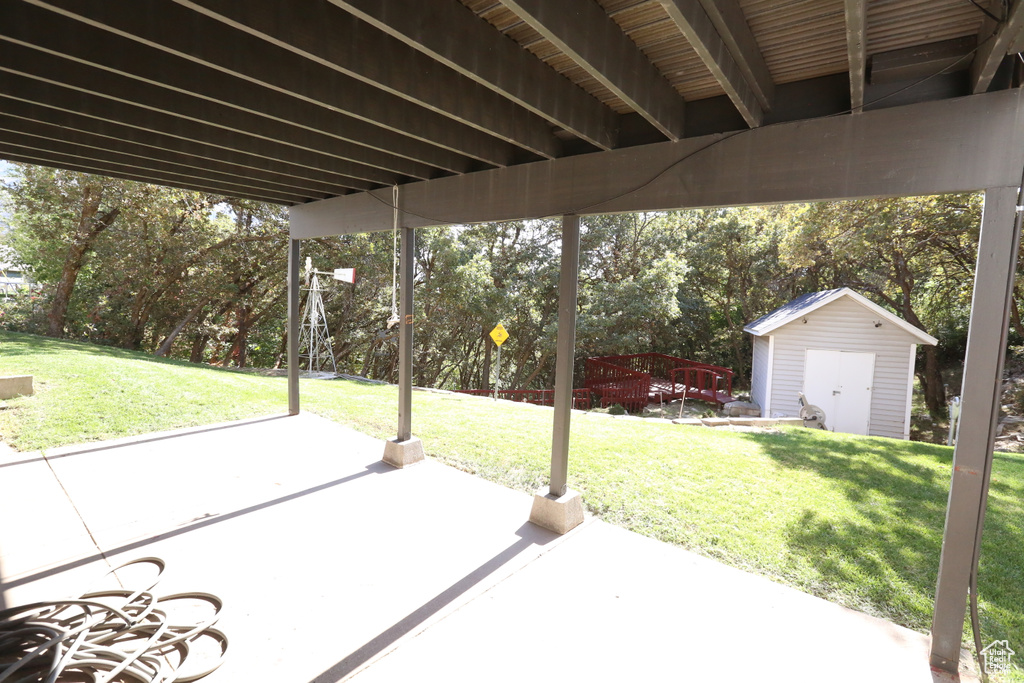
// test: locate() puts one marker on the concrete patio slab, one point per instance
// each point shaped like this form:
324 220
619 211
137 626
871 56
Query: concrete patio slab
333 565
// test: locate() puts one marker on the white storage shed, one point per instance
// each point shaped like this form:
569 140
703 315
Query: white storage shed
849 356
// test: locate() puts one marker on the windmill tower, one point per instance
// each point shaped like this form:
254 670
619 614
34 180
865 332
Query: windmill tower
315 347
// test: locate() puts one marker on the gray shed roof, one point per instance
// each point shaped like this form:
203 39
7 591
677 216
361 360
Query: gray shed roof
806 303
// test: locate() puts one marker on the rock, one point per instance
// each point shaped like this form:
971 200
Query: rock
741 409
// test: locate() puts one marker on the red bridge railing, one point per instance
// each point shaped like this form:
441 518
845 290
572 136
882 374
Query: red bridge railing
632 381
625 384
641 377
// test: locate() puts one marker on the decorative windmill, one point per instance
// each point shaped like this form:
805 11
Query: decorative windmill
315 347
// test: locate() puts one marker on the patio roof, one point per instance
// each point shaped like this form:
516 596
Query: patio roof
296 102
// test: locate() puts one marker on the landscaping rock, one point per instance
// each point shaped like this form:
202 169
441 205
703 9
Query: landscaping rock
12 387
741 409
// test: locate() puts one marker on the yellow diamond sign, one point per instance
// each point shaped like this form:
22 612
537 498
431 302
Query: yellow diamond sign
499 335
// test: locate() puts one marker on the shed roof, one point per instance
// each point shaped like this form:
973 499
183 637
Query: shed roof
804 304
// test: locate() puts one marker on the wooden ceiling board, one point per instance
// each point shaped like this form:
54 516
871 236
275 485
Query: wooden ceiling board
897 25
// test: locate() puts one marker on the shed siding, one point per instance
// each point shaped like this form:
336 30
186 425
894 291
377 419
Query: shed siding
845 325
759 374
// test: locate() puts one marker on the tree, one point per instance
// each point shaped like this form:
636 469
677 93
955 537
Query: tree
135 265
914 255
735 277
57 218
631 268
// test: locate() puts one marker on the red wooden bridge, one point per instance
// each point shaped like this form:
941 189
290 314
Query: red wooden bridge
635 380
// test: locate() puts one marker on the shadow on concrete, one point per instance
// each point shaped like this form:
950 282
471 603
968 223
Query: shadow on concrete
529 535
134 441
373 468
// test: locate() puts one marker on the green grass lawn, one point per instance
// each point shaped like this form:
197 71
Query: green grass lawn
856 520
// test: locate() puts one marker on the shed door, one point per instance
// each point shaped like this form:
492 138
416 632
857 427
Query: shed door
839 382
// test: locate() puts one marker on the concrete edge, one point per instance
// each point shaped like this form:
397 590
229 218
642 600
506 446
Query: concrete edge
14 386
87 446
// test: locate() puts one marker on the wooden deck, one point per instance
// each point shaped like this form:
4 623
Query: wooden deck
661 390
633 381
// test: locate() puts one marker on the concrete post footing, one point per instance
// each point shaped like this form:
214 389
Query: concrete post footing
403 453
560 514
18 385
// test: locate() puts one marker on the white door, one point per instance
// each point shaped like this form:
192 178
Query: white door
839 382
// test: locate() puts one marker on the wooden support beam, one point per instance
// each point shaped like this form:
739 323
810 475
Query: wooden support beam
979 417
53 160
35 118
856 50
406 264
565 356
143 166
120 112
584 31
922 61
993 45
367 164
293 326
904 151
51 31
96 147
691 19
331 37
193 36
731 24
452 34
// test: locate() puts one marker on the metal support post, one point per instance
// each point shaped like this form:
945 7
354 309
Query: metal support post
405 336
497 375
568 282
293 326
982 384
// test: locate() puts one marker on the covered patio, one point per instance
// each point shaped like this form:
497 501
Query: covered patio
292 522
366 115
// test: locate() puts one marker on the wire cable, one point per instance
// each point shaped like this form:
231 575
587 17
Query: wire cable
110 635
987 13
724 137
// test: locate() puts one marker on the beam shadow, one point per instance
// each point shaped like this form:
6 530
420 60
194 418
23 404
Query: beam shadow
373 468
151 439
529 535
